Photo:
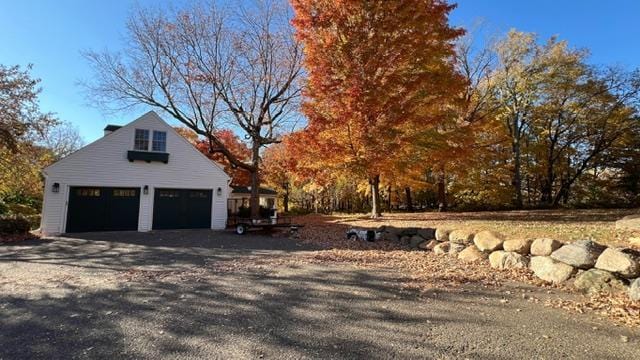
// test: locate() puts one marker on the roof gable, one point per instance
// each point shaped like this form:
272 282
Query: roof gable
122 140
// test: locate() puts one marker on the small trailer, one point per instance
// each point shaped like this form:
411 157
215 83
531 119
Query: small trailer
242 225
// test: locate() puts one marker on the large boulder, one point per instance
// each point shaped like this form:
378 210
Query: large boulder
454 248
415 241
461 237
441 248
596 280
634 241
544 247
629 223
488 240
427 233
507 260
520 246
624 262
471 254
634 290
550 270
582 254
442 234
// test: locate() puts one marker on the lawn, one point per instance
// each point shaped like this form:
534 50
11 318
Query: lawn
563 225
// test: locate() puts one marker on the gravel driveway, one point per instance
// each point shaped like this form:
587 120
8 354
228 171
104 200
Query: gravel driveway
203 294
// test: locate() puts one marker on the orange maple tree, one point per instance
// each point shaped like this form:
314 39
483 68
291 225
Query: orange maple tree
279 166
231 141
377 70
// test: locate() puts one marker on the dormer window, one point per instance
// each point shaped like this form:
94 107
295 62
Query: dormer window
159 141
141 141
149 150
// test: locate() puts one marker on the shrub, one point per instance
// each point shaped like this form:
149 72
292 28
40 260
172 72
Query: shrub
14 225
3 207
21 209
34 220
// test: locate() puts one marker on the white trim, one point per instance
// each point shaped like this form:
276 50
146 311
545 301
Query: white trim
213 207
65 214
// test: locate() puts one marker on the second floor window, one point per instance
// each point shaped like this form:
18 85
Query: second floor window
141 141
159 141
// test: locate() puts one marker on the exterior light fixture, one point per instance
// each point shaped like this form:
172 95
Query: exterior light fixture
55 188
145 190
219 191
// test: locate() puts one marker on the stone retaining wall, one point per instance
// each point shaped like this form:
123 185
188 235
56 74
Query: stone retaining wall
591 266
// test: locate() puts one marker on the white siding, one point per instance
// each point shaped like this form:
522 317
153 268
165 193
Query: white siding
104 163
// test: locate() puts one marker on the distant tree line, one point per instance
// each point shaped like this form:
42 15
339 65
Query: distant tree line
520 122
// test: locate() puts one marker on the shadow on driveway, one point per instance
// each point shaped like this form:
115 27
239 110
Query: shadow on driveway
122 250
303 312
290 311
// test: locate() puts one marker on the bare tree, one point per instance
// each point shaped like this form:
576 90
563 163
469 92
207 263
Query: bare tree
62 140
209 67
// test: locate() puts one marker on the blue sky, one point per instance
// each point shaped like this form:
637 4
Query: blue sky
52 34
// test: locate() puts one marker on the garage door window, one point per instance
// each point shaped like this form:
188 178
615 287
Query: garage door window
84 192
168 193
124 192
198 194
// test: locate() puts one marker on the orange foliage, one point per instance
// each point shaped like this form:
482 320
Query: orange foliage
278 164
230 141
379 72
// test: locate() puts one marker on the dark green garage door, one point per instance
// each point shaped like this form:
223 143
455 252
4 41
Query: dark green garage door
103 209
182 209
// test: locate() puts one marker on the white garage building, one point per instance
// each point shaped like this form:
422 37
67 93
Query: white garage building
140 176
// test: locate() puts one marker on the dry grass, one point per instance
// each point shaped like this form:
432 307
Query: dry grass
563 225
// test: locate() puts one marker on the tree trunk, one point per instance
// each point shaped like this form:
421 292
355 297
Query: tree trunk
407 195
255 182
285 197
375 196
254 202
285 201
389 198
517 177
547 185
442 193
314 203
562 194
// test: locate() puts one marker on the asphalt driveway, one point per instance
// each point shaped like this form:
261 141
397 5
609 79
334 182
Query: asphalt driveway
203 294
